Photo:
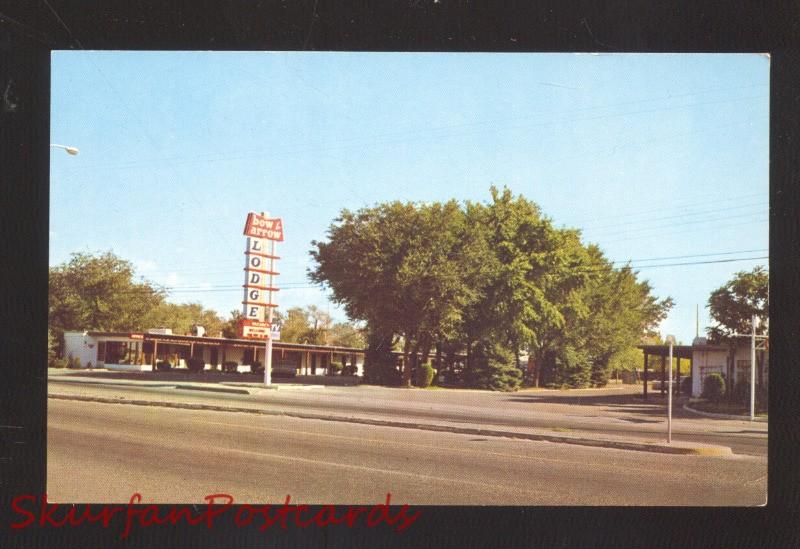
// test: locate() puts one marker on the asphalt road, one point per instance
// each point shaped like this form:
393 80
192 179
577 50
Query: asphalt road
612 412
105 452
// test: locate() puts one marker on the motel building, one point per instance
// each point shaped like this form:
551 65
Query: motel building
141 351
732 362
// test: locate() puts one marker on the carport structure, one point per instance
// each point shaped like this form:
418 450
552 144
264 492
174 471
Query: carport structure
678 352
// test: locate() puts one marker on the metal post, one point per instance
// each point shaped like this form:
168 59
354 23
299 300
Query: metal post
669 398
644 375
268 346
753 371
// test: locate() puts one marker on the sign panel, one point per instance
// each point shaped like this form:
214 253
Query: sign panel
258 226
259 276
253 329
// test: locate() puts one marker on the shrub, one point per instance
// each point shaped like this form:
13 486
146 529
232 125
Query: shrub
492 367
424 375
335 368
741 392
256 367
762 397
163 365
55 362
230 366
75 363
349 370
714 387
196 364
686 386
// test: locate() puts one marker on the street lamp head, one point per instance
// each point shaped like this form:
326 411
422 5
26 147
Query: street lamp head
670 340
70 150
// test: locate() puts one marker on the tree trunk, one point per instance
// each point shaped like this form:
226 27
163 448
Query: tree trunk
406 365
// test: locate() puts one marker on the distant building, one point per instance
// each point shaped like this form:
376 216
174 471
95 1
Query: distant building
140 351
731 361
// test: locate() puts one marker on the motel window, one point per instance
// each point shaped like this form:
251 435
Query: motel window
122 352
101 351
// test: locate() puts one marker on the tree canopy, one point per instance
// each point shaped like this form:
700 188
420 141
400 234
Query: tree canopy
732 305
495 280
99 292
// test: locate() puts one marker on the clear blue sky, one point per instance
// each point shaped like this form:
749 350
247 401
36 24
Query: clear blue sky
653 156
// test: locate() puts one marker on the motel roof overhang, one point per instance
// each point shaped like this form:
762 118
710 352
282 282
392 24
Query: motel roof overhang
678 351
227 342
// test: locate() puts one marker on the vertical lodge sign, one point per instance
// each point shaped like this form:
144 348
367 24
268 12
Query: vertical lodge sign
259 282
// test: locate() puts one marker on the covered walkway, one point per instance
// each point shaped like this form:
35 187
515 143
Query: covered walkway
678 352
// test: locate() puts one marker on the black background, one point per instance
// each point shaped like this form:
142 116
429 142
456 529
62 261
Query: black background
29 30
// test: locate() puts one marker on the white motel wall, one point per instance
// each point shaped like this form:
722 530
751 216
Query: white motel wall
709 359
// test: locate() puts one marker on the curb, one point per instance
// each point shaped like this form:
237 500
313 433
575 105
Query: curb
615 444
158 385
214 389
724 416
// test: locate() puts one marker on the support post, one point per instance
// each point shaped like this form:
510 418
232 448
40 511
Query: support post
669 398
645 376
268 346
753 371
663 374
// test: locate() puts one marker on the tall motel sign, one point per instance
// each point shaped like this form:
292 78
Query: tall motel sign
259 283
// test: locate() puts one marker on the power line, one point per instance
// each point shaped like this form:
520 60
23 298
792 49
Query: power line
677 216
380 139
581 269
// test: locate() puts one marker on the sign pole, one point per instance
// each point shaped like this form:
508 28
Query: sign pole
753 371
669 405
268 345
268 315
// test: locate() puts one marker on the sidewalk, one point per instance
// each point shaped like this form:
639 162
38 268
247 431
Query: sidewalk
260 401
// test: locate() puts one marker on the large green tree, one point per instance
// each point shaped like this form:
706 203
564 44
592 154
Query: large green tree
401 268
495 280
733 305
99 293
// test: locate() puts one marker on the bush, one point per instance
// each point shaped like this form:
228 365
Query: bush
762 397
196 364
55 362
492 367
741 392
256 367
349 370
335 368
230 366
74 363
686 386
163 366
714 387
424 375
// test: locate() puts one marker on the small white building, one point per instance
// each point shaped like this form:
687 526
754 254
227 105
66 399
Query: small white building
732 362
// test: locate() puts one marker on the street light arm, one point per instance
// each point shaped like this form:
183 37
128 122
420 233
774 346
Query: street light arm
70 150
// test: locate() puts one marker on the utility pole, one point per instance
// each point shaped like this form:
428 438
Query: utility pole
268 313
671 341
697 321
753 370
754 321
